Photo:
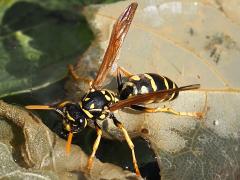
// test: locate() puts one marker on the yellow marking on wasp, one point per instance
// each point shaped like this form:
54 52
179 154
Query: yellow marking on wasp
173 94
104 92
69 117
108 97
95 110
144 90
135 78
153 84
87 113
85 124
63 103
128 84
92 106
116 99
67 127
103 116
86 99
111 94
80 104
166 83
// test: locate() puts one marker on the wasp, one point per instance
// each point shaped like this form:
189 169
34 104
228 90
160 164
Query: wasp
98 103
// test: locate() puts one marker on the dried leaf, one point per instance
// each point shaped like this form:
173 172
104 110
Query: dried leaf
44 152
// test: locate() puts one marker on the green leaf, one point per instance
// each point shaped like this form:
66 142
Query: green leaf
36 44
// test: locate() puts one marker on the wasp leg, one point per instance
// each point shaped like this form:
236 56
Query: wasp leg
47 107
198 115
124 71
69 142
129 141
62 104
119 80
76 77
95 146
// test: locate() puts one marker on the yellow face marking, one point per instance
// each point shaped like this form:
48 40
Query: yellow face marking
166 83
92 106
86 99
135 78
69 117
108 98
67 127
153 84
103 116
87 113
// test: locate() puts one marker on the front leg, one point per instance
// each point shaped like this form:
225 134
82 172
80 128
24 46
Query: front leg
69 142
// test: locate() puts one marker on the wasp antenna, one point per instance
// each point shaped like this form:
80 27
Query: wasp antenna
69 142
39 107
190 87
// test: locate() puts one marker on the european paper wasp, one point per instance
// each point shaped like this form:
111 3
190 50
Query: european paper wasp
98 104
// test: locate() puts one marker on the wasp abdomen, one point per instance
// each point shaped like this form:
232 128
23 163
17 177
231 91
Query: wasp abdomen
146 83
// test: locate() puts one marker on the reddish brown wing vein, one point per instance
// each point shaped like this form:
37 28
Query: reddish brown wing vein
119 32
150 96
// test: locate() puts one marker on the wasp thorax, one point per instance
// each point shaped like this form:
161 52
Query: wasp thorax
74 119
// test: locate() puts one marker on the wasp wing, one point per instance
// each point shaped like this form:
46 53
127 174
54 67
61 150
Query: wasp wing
159 95
119 32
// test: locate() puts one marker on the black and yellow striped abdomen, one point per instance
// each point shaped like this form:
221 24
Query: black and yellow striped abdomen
146 83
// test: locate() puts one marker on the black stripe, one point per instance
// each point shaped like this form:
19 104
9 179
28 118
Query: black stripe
159 81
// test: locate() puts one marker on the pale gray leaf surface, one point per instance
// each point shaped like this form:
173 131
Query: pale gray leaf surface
189 42
41 154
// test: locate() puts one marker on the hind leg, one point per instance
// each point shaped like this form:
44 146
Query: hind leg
167 110
129 141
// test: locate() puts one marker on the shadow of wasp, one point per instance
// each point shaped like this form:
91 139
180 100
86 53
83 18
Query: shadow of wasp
98 103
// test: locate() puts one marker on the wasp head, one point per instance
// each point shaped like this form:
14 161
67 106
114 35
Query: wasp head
74 119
